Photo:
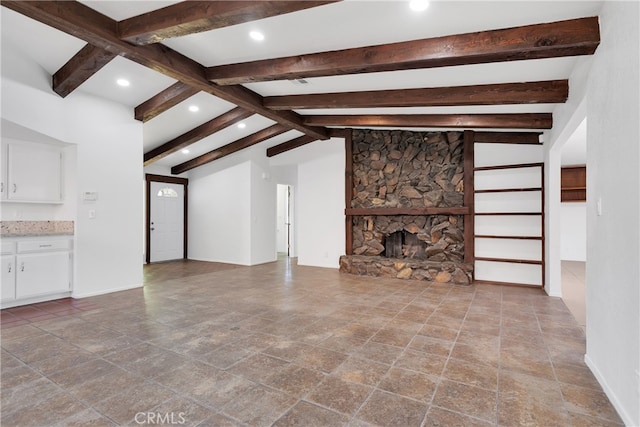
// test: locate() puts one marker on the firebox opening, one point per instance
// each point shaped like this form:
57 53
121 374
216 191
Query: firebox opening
403 244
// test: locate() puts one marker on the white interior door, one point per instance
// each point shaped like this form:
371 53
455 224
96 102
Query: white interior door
166 216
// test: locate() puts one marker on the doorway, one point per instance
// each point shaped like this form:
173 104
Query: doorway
166 218
573 227
285 225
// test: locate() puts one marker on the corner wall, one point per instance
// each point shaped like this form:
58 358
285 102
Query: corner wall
219 214
320 204
613 238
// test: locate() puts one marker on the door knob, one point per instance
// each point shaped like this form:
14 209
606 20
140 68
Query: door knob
152 228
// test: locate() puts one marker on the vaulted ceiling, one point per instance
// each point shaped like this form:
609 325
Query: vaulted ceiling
323 66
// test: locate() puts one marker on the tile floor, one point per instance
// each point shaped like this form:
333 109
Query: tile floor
574 291
217 345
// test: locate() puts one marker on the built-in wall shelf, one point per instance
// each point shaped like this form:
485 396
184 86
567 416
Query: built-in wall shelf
516 166
508 193
509 190
517 261
573 184
487 236
508 213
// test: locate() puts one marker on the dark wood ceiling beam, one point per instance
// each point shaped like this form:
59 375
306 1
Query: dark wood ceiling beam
191 17
230 148
158 104
498 121
303 140
507 137
204 130
289 145
84 64
550 40
547 92
99 30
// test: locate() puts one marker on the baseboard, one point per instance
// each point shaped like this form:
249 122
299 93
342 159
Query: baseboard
626 418
219 261
105 291
35 300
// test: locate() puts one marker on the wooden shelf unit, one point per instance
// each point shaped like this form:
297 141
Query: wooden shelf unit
540 214
573 184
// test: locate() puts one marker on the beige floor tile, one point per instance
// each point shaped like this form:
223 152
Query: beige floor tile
237 346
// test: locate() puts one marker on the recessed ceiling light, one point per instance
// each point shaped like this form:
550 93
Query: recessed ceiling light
256 35
123 82
418 5
184 151
194 108
242 125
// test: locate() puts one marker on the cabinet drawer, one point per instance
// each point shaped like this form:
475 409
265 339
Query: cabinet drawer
44 245
8 248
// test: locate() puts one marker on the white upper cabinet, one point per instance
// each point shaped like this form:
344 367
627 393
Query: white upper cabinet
32 173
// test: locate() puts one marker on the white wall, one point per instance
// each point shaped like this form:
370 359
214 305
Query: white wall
605 89
219 215
573 223
232 210
263 211
320 201
613 239
108 144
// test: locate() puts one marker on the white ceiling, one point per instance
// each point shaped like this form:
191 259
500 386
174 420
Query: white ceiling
341 25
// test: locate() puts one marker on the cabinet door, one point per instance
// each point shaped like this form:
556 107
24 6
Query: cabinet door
3 171
8 278
34 173
40 274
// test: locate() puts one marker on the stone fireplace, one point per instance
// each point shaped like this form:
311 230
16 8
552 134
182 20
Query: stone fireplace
406 206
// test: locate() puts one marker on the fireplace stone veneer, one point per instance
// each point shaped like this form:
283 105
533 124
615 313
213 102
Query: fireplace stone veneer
407 171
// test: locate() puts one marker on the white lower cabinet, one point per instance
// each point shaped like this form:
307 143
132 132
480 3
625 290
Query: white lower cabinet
34 268
40 274
8 291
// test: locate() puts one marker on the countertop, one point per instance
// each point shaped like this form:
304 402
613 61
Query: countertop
36 228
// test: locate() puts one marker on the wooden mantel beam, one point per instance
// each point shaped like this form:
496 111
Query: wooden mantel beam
99 30
191 17
196 134
498 121
551 40
546 92
230 148
84 64
158 104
